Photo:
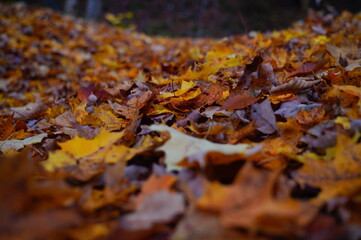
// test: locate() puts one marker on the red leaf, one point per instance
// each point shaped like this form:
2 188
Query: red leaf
238 101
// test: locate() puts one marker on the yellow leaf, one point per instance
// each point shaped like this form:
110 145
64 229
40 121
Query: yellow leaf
344 121
80 147
338 177
114 153
185 87
352 90
58 159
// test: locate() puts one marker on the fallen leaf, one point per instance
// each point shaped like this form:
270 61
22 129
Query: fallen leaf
6 127
308 68
290 109
181 146
238 101
293 86
264 117
337 177
158 207
265 72
80 147
31 110
250 203
155 184
19 144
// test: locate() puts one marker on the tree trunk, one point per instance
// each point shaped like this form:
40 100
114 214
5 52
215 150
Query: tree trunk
69 7
93 9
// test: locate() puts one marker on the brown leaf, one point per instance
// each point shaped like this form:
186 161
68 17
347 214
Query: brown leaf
265 72
308 68
238 101
250 70
293 86
251 204
6 127
31 110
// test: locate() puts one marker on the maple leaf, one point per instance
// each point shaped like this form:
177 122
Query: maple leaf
98 149
338 176
80 147
181 146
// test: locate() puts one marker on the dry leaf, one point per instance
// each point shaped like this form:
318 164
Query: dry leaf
308 68
338 176
264 117
19 144
158 207
293 86
31 110
181 146
238 101
250 203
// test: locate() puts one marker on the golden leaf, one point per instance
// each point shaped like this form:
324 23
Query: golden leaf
340 176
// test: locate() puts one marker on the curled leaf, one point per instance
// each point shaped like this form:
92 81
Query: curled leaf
29 111
265 72
293 86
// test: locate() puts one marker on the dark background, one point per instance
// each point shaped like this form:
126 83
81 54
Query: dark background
202 18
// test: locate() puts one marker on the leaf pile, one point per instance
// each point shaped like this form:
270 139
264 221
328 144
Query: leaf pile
107 133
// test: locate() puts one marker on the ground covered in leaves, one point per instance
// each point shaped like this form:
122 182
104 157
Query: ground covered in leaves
111 134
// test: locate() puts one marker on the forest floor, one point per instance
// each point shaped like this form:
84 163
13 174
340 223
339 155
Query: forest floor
107 133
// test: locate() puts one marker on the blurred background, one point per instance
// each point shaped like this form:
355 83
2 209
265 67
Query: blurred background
197 18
